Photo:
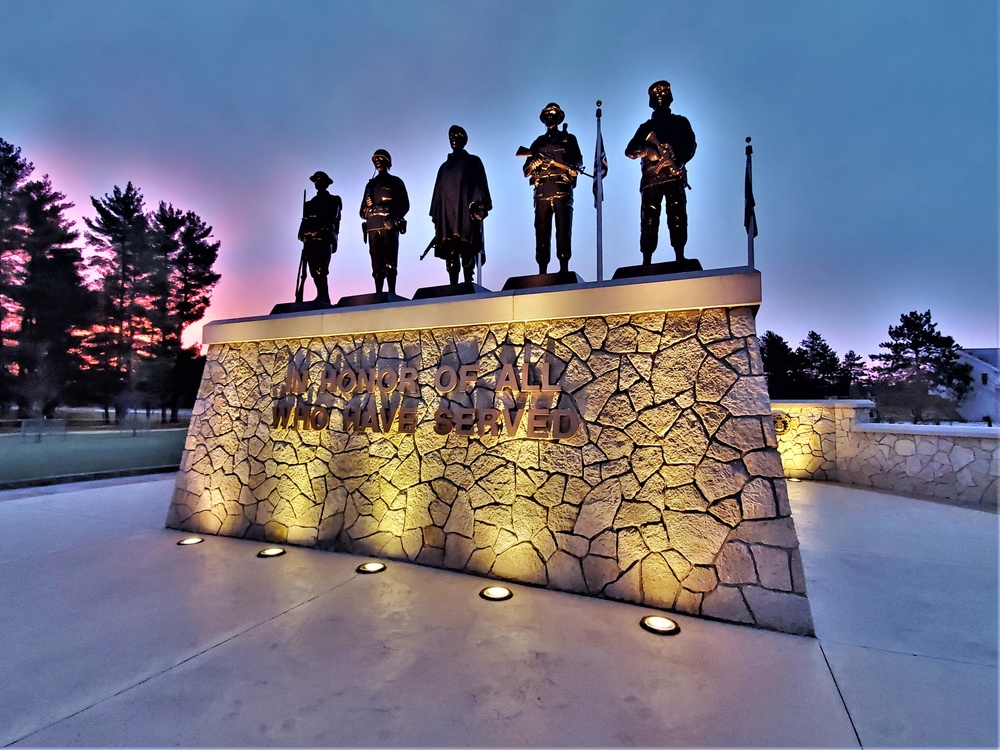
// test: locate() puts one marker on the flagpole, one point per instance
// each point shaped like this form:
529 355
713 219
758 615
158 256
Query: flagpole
749 207
599 195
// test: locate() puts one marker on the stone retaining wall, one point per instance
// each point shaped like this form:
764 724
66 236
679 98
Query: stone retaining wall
670 493
833 440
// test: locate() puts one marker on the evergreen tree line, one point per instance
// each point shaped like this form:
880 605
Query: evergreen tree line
917 370
99 325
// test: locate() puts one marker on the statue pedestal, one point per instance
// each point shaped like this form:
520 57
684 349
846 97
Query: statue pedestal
539 280
612 439
372 298
448 290
658 269
293 307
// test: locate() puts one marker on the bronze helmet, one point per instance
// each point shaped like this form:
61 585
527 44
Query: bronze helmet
552 107
660 84
321 180
384 153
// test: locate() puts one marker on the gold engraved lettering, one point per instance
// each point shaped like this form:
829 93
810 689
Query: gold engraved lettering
538 423
367 380
565 423
512 419
443 422
464 421
387 387
489 421
408 380
467 375
328 381
388 413
526 386
407 423
548 386
369 416
347 381
507 380
320 417
445 380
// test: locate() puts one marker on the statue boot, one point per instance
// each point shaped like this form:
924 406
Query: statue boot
322 289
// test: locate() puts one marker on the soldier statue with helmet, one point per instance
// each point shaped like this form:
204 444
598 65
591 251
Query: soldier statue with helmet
383 209
665 143
553 163
318 233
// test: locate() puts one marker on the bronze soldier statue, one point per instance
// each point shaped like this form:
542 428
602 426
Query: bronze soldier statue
383 209
665 142
551 168
318 235
460 202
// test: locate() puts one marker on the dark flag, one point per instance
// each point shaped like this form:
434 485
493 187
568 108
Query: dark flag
749 215
600 166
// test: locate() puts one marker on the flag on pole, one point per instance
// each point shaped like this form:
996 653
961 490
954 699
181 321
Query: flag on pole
749 215
600 172
600 166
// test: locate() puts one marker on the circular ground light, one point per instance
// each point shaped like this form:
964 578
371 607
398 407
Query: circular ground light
190 540
496 593
271 552
370 567
659 625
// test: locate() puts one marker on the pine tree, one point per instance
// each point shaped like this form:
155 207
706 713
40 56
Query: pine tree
53 301
126 267
183 292
14 172
920 368
819 367
782 367
852 375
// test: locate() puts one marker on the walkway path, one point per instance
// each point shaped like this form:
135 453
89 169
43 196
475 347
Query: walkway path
114 635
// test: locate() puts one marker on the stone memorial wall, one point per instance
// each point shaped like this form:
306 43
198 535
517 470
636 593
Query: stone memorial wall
835 441
623 454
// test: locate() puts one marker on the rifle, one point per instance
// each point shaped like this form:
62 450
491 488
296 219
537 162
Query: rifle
667 159
523 152
300 279
432 243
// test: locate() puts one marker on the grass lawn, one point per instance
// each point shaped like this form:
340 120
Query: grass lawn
82 453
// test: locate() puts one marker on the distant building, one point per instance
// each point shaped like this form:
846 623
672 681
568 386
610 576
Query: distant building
983 398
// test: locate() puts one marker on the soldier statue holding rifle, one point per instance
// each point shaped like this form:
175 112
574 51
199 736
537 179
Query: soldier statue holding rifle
665 143
553 163
383 207
318 235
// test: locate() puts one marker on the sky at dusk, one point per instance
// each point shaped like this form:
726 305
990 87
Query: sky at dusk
874 127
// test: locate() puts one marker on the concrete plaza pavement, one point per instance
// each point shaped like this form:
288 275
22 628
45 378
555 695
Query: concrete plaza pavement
113 635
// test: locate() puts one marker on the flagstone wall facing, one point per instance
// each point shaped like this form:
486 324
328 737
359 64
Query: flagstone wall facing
669 493
834 441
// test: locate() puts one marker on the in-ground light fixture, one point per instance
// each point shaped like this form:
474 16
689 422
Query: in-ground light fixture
496 593
271 552
659 625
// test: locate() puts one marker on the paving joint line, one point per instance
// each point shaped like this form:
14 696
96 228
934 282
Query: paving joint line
908 653
837 685
182 661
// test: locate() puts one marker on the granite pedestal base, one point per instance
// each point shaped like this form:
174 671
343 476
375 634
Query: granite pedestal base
614 440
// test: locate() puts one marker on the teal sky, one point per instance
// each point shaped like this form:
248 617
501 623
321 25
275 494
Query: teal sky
874 127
